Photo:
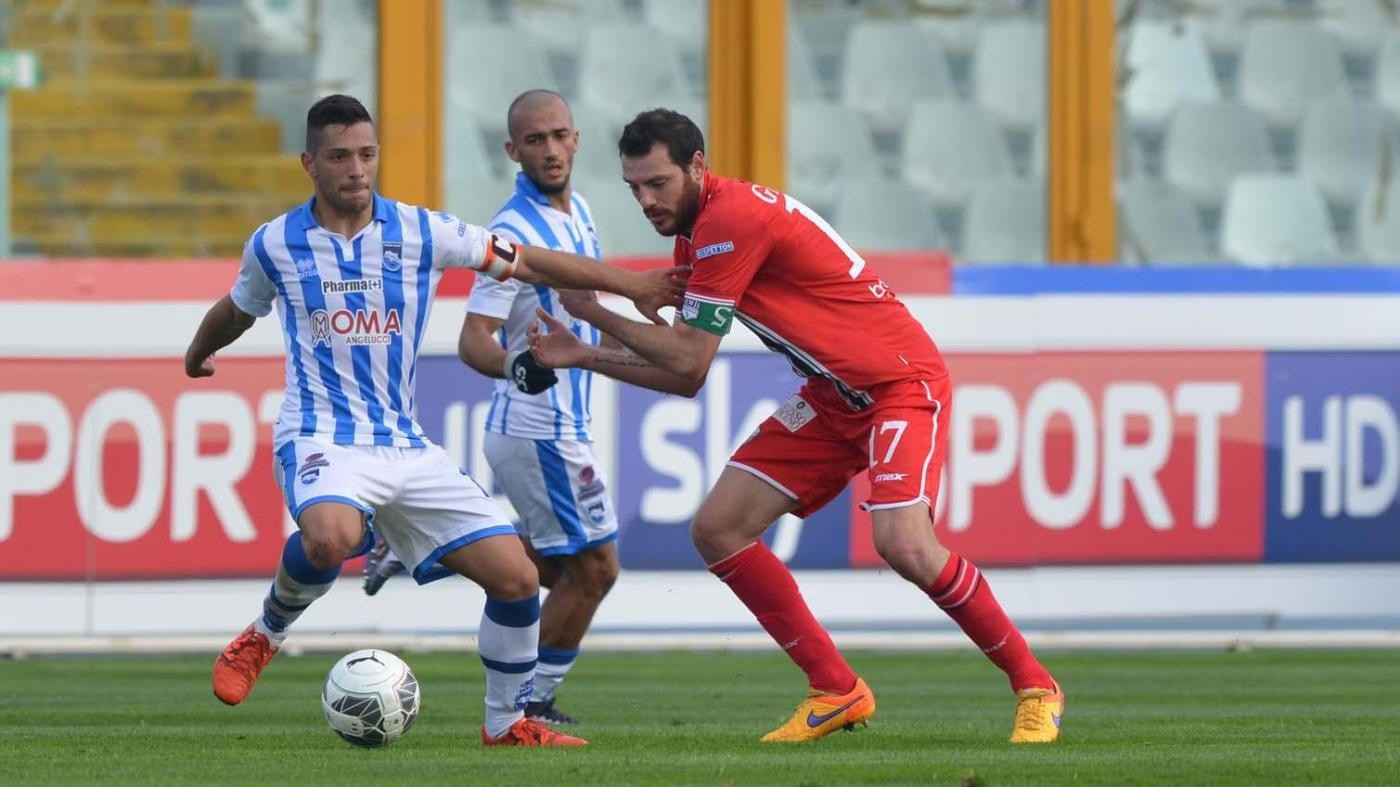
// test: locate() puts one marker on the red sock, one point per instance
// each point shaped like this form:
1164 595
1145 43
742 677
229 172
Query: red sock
767 588
961 591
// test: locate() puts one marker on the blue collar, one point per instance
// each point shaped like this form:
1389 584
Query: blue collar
527 189
302 217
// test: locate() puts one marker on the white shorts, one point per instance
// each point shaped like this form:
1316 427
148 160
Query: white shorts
417 499
557 489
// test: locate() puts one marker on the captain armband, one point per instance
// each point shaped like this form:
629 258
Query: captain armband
711 316
501 256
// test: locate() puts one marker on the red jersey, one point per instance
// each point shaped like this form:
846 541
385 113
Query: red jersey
771 262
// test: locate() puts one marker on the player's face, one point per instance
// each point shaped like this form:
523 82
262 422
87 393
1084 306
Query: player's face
344 168
668 193
543 142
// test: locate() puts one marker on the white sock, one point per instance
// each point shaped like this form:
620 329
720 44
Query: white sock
508 641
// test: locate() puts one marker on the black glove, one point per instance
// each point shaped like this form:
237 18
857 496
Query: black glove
527 374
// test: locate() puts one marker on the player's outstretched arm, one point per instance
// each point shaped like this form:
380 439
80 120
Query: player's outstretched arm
649 290
556 347
221 326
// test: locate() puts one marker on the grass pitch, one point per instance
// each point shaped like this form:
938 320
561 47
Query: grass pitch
1133 718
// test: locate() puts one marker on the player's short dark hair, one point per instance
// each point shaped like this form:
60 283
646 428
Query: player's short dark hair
677 132
334 110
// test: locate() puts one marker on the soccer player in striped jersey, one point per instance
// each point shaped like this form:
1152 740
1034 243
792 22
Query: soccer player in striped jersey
875 401
537 430
352 275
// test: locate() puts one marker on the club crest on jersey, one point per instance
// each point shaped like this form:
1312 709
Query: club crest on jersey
723 247
393 256
311 468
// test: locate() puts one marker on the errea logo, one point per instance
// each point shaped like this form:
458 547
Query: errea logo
713 249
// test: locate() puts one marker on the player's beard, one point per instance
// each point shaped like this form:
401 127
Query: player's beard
688 209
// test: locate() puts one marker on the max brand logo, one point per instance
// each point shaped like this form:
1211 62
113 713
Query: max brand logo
713 249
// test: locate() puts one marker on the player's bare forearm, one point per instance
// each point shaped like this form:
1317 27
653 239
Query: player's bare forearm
649 291
561 269
628 367
674 349
478 348
221 326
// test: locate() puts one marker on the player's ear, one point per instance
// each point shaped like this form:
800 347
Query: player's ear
308 163
697 165
512 151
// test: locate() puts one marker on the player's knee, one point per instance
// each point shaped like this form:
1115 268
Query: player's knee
601 576
326 550
520 584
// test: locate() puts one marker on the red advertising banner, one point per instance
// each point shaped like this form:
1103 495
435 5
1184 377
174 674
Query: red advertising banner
123 469
1100 457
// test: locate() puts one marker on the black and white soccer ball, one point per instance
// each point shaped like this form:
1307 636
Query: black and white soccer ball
370 698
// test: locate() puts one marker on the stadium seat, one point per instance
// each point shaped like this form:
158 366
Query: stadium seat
1343 144
1167 63
622 229
890 64
886 215
1377 222
803 81
1159 225
824 25
958 26
467 159
949 146
561 24
597 145
1388 72
626 68
1276 219
684 23
1285 65
1008 72
1225 23
1208 144
1005 222
1358 26
827 145
345 55
488 66
279 25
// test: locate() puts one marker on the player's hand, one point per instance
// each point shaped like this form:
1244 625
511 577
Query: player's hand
655 289
579 303
527 374
554 345
204 368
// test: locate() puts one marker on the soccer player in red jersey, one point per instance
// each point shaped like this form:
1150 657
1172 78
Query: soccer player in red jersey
875 400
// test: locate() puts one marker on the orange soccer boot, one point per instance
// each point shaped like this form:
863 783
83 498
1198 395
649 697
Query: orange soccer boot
531 732
1038 713
237 668
822 714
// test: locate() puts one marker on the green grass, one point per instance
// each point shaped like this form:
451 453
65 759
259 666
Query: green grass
1134 718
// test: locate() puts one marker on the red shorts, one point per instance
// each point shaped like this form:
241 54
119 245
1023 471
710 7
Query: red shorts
814 444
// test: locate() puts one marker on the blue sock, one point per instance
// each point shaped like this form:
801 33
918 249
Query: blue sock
297 584
554 664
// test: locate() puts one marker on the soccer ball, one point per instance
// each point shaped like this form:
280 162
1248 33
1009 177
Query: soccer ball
370 698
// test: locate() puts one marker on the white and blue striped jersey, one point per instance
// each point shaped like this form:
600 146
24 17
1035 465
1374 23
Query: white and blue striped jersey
353 311
560 413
